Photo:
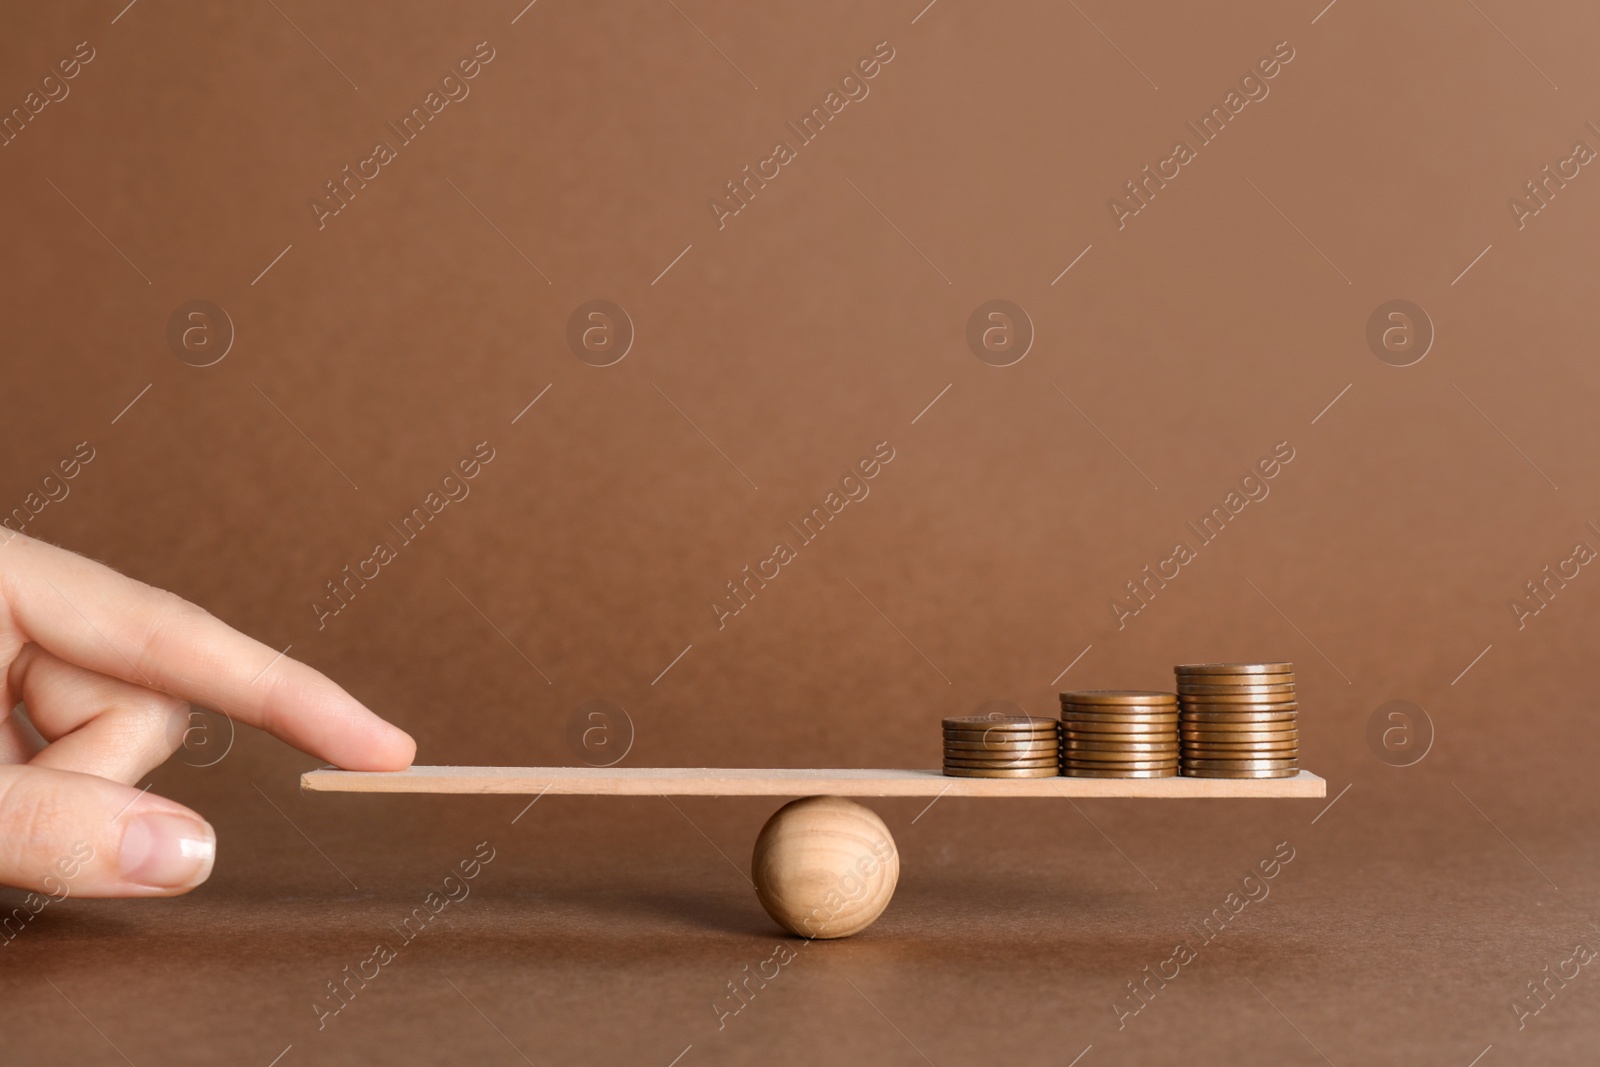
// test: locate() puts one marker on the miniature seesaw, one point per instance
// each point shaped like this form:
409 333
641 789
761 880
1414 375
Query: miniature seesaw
824 866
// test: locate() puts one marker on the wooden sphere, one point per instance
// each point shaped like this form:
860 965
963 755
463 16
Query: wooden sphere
825 867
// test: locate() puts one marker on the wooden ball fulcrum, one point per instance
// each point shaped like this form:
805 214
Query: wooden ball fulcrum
825 867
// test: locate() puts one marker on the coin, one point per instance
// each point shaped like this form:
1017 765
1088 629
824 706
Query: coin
1224 702
1193 745
1234 679
1000 761
1221 710
1240 764
1117 718
1123 764
1287 772
1225 733
989 744
1045 744
1081 715
1191 682
1069 707
1240 715
1085 772
1001 772
981 722
1001 757
1185 669
1074 745
1238 737
1113 770
1111 724
1101 697
1071 716
951 737
1227 700
1235 690
1121 759
1163 733
1239 732
1230 750
1269 720
976 751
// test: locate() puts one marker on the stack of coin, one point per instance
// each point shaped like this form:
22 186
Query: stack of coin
1119 733
1000 746
1237 720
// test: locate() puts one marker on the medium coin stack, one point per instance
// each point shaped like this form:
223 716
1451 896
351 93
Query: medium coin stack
1119 733
1000 746
1237 720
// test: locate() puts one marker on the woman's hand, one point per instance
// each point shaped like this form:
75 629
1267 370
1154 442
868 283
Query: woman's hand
105 667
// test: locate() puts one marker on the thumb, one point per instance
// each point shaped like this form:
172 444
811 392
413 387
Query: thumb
71 834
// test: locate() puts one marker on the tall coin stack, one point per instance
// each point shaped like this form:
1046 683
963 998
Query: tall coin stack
1237 720
1119 733
1000 746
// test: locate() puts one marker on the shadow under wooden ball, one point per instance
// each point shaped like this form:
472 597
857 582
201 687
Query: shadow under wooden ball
825 867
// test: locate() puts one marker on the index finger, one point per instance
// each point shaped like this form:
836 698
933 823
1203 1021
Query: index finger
88 614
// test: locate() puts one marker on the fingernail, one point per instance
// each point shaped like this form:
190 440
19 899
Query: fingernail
168 851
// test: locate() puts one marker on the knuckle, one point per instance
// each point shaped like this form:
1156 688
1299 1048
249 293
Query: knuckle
172 723
155 722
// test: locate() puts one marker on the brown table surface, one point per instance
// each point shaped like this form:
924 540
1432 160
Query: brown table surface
606 931
1225 319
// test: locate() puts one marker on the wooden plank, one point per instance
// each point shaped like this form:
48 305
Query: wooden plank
796 782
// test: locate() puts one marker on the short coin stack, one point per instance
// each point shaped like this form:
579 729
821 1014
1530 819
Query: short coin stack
1237 720
1000 746
1119 733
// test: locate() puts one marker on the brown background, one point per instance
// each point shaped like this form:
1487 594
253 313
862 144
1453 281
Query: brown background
805 331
